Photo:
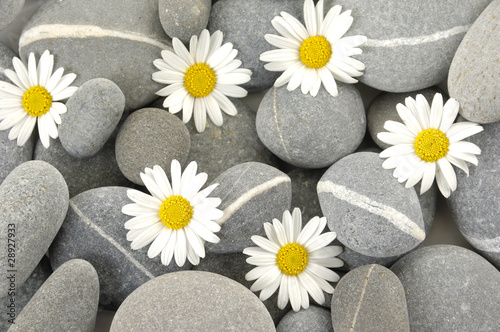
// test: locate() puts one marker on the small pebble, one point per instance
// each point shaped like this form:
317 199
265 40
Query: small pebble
313 319
183 19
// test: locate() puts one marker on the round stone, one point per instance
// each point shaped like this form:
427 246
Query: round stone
93 113
192 301
311 132
149 137
313 319
183 19
8 11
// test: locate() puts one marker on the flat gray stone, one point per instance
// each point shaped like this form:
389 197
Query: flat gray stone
34 200
93 230
113 39
192 301
311 132
313 319
369 298
12 155
93 113
6 56
183 19
473 76
8 11
369 210
304 194
67 301
149 137
450 288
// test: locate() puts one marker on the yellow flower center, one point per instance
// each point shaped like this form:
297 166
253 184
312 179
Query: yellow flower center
431 145
292 259
315 52
176 212
37 101
199 80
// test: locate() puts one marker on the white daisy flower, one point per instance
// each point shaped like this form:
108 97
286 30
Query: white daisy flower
177 218
35 98
428 143
201 79
294 260
315 53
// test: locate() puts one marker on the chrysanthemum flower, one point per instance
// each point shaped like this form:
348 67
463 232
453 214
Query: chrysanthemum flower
315 53
201 79
294 259
428 143
177 218
34 99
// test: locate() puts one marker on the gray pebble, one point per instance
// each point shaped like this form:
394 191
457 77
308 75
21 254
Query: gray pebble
67 301
313 319
304 194
9 9
149 137
6 56
192 301
311 132
94 110
183 19
12 155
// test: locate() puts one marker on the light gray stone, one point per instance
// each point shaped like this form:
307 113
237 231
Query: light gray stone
8 11
450 288
33 202
192 301
93 113
93 230
6 56
311 132
370 298
304 194
67 301
12 155
313 319
183 19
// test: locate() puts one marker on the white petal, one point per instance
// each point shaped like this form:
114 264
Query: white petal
195 242
42 132
257 251
176 98
294 287
287 74
450 111
200 115
148 180
187 107
215 42
54 79
26 130
461 130
168 90
45 67
436 111
270 232
15 79
203 46
176 173
443 185
142 221
459 163
21 72
399 128
465 147
144 199
307 81
428 178
282 42
309 283
284 29
296 78
280 55
283 292
418 173
308 230
447 171
270 289
174 61
203 232
147 236
409 119
168 251
162 182
231 90
182 51
64 94
137 210
339 74
213 110
50 126
11 89
266 244
394 139
288 226
397 150
322 272
225 104
310 19
326 252
180 253
294 25
159 243
329 18
266 279
32 72
321 241
232 78
328 81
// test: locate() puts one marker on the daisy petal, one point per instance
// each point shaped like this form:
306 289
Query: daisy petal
448 173
436 112
428 177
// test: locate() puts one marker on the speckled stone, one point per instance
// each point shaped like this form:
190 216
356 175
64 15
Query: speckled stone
304 194
149 137
34 200
450 288
93 113
313 319
192 301
6 56
183 19
67 301
370 298
368 209
252 193
12 155
311 132
93 230
244 24
8 11
113 39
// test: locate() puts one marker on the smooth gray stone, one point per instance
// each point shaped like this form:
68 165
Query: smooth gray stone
12 155
93 113
192 301
67 301
311 132
475 205
353 260
252 193
244 24
313 319
149 137
93 230
6 56
183 19
450 288
33 202
113 39
369 210
9 9
304 193
473 76
370 298
82 174
410 46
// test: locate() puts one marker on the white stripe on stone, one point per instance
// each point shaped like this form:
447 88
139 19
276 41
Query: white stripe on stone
488 245
243 199
50 31
409 41
361 298
399 220
99 231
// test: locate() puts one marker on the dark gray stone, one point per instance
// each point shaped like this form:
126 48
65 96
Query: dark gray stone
311 132
12 155
183 19
450 288
6 56
8 11
244 24
369 298
313 319
149 137
192 301
93 113
304 193
67 301
368 209
33 202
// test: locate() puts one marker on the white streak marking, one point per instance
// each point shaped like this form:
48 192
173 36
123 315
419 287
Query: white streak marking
356 313
399 220
489 245
275 111
409 41
111 240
